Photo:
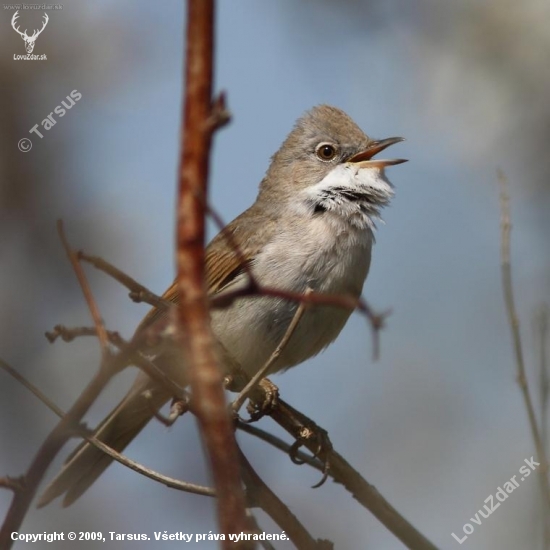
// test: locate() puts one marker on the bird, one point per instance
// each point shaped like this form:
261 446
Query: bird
311 227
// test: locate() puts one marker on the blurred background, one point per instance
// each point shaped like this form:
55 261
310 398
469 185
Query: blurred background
438 422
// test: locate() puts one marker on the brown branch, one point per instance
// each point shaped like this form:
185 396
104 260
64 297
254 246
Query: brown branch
342 472
278 443
205 376
130 352
70 422
138 292
69 334
67 425
47 452
14 484
92 306
513 320
256 528
18 484
252 289
261 496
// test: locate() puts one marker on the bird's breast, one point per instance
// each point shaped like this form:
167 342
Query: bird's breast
312 254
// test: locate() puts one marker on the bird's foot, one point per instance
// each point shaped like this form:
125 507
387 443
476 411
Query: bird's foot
178 408
264 398
307 434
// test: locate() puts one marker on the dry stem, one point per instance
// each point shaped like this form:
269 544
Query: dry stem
516 338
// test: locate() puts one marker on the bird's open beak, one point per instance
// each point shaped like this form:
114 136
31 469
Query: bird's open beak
364 158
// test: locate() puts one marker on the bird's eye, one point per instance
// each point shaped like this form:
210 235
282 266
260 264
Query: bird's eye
325 151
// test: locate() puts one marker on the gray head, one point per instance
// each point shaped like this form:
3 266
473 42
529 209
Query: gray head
327 160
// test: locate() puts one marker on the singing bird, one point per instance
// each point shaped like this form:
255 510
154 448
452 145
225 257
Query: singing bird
311 226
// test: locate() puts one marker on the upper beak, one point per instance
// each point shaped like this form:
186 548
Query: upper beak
364 158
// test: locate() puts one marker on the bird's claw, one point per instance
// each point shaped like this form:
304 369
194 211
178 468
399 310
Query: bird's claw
324 448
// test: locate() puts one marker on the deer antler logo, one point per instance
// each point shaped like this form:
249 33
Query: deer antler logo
29 40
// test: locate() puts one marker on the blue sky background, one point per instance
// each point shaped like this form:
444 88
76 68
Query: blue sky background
438 422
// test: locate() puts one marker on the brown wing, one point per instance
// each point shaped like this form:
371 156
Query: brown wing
222 264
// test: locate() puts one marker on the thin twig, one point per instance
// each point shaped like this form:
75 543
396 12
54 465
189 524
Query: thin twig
138 292
66 426
130 351
261 496
238 402
198 345
516 337
541 324
83 281
14 484
69 334
252 289
171 482
47 452
18 483
278 443
32 388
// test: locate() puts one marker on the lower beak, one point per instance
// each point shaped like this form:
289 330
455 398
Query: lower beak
364 158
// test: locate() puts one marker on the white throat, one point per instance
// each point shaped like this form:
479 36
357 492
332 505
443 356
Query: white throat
353 193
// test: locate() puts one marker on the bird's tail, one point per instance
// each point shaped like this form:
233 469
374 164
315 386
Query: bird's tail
87 463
